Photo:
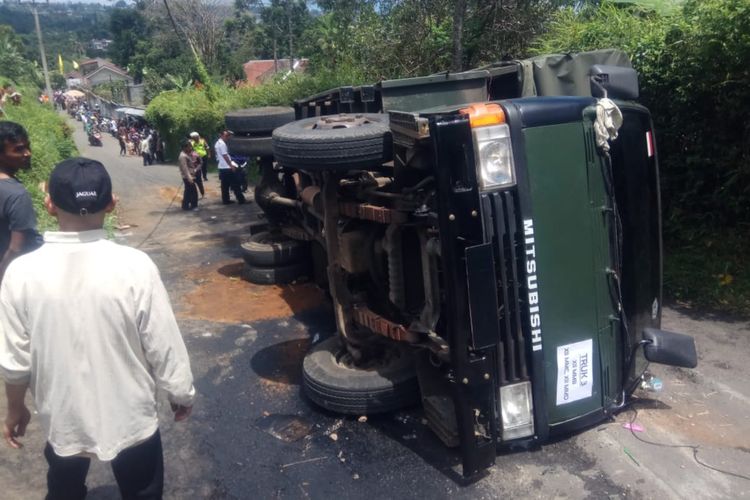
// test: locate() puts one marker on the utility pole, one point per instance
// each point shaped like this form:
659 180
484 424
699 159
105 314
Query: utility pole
459 13
48 87
289 31
275 57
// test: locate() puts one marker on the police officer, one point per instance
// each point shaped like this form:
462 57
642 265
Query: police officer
200 146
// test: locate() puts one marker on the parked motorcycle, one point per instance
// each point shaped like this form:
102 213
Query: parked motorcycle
95 138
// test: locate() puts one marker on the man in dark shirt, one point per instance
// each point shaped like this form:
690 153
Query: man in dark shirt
18 234
185 161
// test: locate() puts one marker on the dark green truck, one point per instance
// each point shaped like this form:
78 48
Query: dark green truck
490 240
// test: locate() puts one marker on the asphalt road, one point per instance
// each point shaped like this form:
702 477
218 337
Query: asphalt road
254 435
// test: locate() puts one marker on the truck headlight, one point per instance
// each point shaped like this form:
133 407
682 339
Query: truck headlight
517 410
494 157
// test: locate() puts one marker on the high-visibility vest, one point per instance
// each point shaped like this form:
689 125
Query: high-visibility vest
200 146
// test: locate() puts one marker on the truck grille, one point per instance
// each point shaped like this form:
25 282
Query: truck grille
509 256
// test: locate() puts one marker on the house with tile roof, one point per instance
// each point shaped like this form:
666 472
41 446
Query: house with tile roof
108 74
97 71
260 70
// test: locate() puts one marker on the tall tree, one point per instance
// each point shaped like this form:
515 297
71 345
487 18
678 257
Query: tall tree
241 40
459 13
128 27
13 64
284 22
202 22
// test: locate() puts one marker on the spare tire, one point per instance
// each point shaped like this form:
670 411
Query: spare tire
336 142
331 381
250 146
258 120
272 249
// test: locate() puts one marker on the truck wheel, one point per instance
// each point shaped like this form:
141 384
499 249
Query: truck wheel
258 120
270 249
337 142
277 275
333 383
250 146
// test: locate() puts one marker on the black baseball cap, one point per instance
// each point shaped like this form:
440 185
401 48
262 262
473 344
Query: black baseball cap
80 186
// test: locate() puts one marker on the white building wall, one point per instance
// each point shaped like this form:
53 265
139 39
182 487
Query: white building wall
106 76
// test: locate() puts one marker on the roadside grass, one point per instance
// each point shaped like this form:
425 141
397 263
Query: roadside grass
710 271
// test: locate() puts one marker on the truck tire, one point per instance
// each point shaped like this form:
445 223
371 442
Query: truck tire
250 146
271 249
305 145
334 385
258 120
276 275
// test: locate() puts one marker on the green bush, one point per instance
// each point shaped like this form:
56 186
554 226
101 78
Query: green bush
693 71
704 98
14 66
51 142
693 66
176 113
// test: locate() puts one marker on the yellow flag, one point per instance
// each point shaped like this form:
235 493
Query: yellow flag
60 64
75 65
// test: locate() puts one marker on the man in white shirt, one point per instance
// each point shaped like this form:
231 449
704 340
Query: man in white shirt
87 325
145 148
227 170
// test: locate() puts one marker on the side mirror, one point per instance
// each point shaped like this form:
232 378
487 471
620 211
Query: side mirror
669 348
615 82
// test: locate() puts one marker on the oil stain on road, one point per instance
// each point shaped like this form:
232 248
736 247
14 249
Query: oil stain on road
221 295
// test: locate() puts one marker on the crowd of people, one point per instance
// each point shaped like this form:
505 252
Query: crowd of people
136 138
139 139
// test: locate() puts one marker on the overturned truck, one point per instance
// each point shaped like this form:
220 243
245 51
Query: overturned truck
490 240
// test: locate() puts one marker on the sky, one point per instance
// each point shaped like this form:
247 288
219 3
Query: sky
103 2
42 2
